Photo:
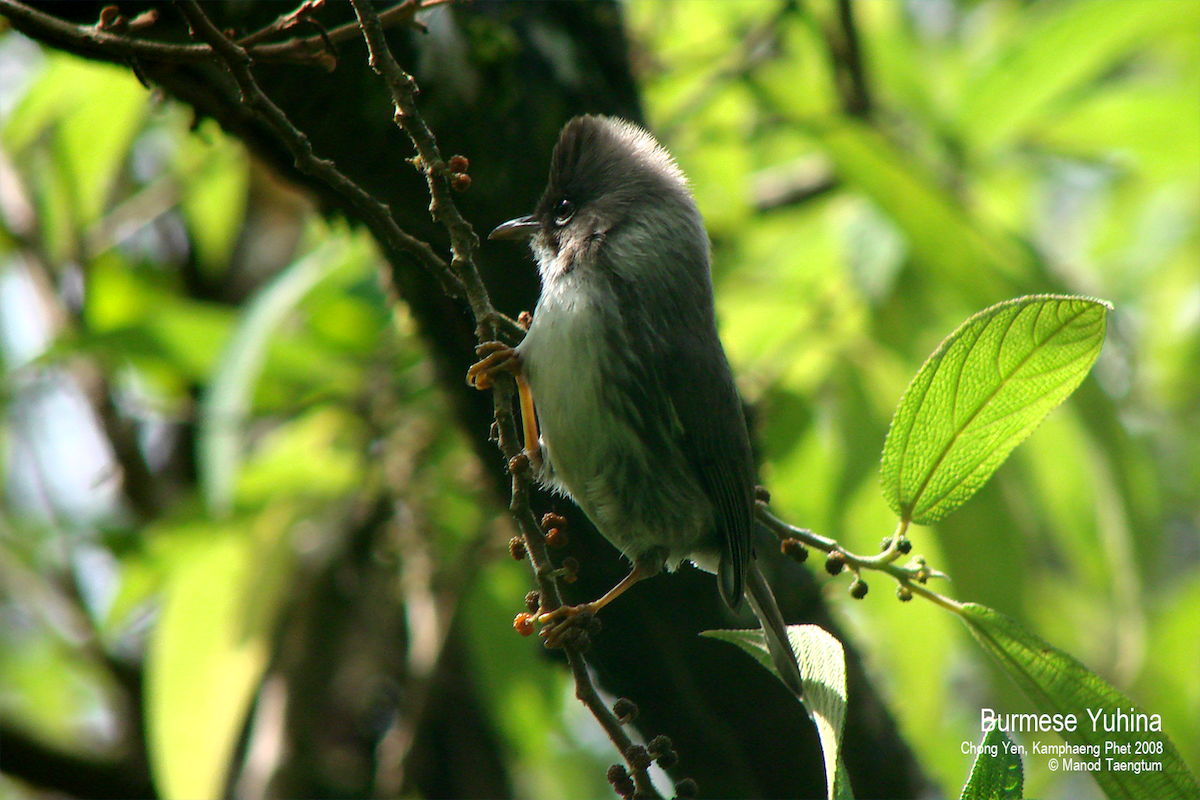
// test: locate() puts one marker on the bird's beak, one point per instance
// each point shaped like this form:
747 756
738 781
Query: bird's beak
515 229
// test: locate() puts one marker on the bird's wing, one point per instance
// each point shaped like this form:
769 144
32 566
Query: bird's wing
716 445
685 364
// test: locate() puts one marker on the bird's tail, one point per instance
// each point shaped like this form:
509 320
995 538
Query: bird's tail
762 602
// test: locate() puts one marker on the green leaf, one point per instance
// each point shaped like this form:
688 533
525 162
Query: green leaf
1071 45
94 110
944 239
227 403
985 389
823 667
1058 684
215 176
997 773
203 665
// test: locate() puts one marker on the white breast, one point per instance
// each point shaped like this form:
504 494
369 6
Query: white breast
561 355
590 448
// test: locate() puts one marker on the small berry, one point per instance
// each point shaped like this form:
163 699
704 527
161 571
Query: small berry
659 745
905 546
570 567
835 563
686 788
793 549
523 623
638 757
668 760
621 782
460 181
516 548
552 520
625 710
533 601
458 164
556 537
518 463
903 593
858 588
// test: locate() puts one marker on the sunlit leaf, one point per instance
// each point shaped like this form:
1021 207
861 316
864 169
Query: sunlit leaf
823 668
216 185
1058 684
129 317
985 389
942 236
999 776
283 461
1069 45
95 109
205 659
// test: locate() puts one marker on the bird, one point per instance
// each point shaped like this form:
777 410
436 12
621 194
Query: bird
628 401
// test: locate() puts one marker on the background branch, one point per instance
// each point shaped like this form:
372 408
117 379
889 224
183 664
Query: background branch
95 41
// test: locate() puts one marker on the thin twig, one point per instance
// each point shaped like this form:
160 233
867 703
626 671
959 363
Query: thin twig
377 216
95 42
849 71
284 22
911 576
464 244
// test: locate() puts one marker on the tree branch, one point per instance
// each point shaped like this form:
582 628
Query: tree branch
376 216
849 70
464 244
462 275
97 42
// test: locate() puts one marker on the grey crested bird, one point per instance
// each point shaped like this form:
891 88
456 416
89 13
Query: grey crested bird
640 421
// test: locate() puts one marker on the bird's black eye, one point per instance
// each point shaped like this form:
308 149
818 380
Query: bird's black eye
563 212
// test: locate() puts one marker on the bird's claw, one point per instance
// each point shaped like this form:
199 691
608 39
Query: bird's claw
494 357
566 624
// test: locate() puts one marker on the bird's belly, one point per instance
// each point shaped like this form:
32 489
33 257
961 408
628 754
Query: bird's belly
639 493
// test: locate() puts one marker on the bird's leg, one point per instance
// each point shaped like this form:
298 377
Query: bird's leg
498 357
560 621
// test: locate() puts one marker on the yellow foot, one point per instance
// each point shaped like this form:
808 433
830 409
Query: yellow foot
566 624
494 357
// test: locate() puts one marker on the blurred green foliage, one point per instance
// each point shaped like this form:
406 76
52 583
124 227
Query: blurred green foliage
1008 148
1004 148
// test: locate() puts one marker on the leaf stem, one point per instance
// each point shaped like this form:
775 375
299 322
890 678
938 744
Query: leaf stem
912 575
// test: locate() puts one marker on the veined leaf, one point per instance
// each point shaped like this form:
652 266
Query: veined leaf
999 776
985 389
1058 684
823 668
